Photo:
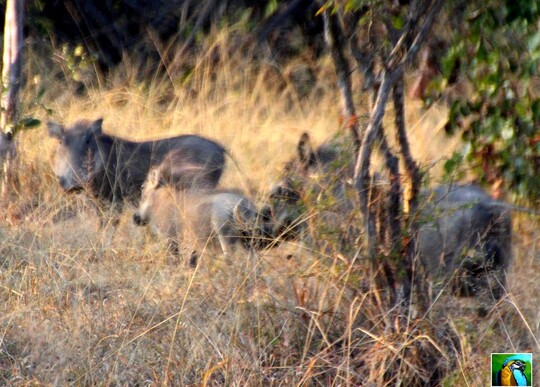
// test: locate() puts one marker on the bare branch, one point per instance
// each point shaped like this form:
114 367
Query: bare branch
365 60
424 30
364 54
333 34
390 75
361 170
406 42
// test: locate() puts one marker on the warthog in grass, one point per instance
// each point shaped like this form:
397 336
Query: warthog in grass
199 216
323 174
113 169
467 233
463 230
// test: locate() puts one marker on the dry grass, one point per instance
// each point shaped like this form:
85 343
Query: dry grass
82 305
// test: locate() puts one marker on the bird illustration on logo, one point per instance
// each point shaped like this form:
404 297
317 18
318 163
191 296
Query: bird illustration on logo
512 372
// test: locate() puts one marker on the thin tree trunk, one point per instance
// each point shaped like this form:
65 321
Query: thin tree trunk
11 84
334 37
431 11
415 180
411 168
365 59
394 196
392 222
362 176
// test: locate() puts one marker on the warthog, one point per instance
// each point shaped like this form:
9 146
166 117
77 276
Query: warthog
455 220
466 231
323 174
114 169
198 215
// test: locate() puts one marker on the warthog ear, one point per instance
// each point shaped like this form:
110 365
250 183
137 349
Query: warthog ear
153 178
97 127
55 130
7 136
305 151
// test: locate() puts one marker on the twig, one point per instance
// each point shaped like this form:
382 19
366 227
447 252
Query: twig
333 34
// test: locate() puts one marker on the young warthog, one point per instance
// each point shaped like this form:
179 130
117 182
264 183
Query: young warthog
463 230
323 174
198 216
114 169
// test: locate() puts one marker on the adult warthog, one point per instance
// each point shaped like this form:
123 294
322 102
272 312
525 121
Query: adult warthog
468 234
463 231
198 216
113 169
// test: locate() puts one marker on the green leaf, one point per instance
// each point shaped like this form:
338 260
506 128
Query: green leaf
450 128
29 123
451 166
481 51
353 5
398 22
507 132
448 64
270 8
534 41
455 111
535 108
324 7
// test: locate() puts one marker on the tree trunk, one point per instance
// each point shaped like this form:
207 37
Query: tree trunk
404 50
11 84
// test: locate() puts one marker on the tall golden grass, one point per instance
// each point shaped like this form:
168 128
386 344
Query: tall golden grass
85 305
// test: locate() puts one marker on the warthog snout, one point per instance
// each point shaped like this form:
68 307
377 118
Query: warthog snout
284 191
138 219
68 185
63 182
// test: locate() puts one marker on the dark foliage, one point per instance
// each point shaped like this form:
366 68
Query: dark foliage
110 30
